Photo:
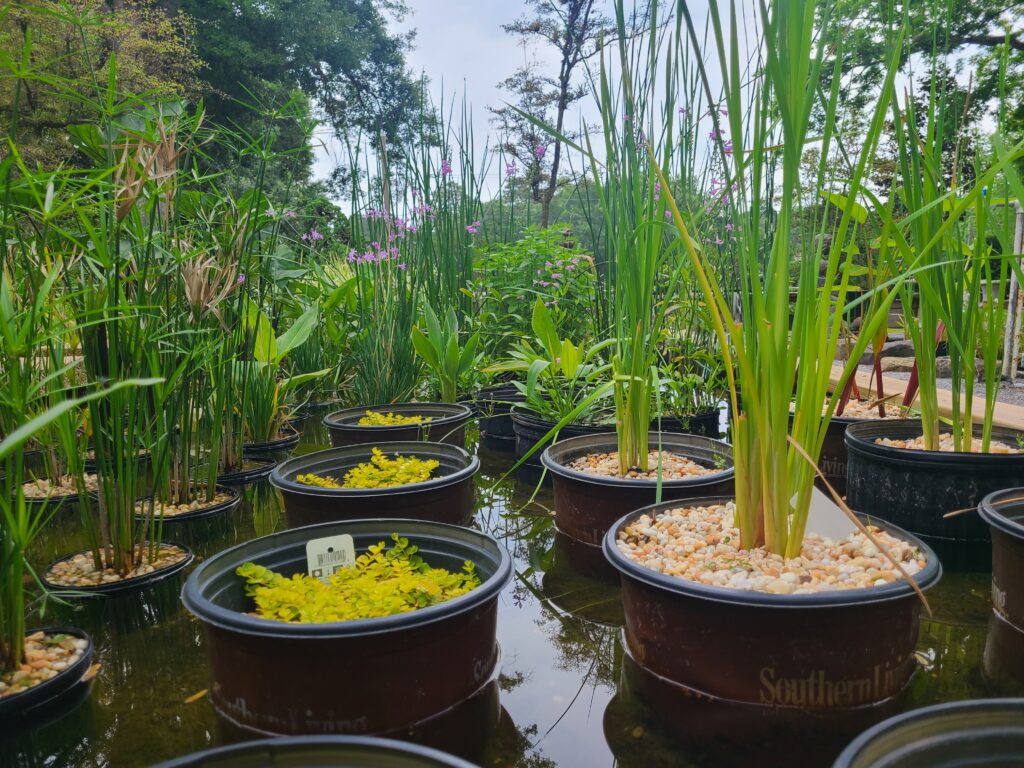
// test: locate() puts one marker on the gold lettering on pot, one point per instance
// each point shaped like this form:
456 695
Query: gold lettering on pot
819 690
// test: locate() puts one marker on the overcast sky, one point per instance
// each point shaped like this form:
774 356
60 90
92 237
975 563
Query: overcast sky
460 45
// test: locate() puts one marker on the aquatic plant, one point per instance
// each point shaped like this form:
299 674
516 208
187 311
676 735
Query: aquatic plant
389 419
440 348
383 582
383 472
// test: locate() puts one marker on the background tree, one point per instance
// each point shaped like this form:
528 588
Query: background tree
969 34
573 28
339 53
65 47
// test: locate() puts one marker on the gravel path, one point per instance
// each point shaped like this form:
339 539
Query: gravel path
1008 393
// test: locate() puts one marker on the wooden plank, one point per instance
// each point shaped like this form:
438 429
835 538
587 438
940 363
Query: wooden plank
1006 415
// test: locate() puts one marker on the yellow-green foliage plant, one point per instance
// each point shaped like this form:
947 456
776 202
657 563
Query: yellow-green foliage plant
383 582
379 472
382 472
389 419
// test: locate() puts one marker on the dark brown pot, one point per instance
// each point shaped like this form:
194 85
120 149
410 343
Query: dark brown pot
826 650
368 676
587 505
447 498
1004 651
833 458
447 424
708 725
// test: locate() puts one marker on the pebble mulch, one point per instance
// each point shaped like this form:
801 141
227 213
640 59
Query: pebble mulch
45 657
700 544
673 467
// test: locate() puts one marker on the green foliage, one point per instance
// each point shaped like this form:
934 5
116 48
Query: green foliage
545 264
383 472
383 582
560 376
378 419
440 349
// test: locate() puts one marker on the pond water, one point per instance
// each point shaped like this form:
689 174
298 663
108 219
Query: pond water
562 682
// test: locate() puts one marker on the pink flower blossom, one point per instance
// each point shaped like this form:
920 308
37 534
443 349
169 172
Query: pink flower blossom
510 169
446 167
540 150
473 228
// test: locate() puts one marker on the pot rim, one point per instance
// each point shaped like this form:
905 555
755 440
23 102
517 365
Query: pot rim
917 457
290 438
233 621
32 699
196 514
904 719
283 743
263 467
279 480
141 581
896 590
620 482
457 413
990 508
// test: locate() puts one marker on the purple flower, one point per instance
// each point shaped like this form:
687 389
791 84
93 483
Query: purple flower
668 215
473 228
556 275
657 191
289 214
402 267
714 134
684 111
446 167
510 169
543 283
312 236
540 151
728 147
719 241
728 227
558 360
241 278
352 256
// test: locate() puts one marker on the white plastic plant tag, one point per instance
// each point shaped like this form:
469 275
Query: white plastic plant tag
825 518
325 556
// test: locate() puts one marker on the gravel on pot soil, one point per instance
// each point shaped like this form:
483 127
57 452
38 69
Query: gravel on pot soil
868 409
170 510
45 657
41 488
673 467
700 544
80 570
945 444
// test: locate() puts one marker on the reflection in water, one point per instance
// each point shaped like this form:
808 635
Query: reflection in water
565 695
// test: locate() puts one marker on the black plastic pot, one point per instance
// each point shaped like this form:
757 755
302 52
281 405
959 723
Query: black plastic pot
368 676
319 752
587 505
125 585
447 424
530 430
203 512
447 498
823 651
289 440
50 692
914 489
253 469
983 733
706 423
495 407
